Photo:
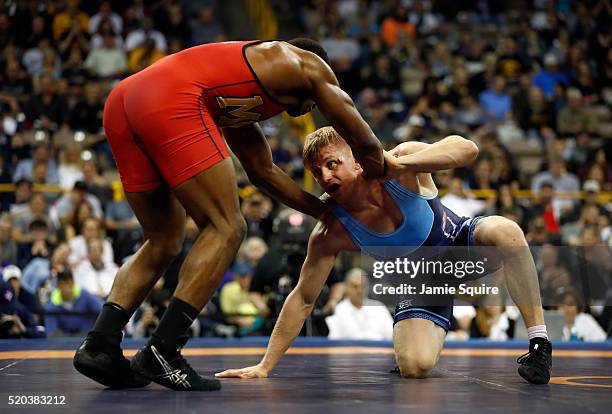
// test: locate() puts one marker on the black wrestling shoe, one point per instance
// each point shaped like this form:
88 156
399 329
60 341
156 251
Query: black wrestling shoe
171 371
100 358
395 370
537 363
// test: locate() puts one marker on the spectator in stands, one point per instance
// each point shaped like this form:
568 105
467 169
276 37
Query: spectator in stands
558 176
256 210
70 170
579 325
338 46
546 206
206 28
590 216
591 189
8 247
15 81
23 193
144 55
138 37
550 75
147 316
491 322
95 183
482 175
42 59
146 322
236 304
495 101
74 38
576 116
76 76
105 14
16 321
12 276
252 250
397 25
39 246
94 274
71 310
39 272
536 118
47 108
82 212
63 211
106 28
597 161
511 62
86 115
356 316
36 210
172 23
250 253
39 30
462 315
42 152
461 201
107 61
78 245
63 21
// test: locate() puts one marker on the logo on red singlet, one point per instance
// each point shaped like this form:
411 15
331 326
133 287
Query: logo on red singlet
237 111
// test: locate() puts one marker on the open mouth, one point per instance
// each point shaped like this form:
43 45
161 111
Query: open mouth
333 188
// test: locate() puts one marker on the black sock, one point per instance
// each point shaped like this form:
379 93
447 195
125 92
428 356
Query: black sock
111 320
171 331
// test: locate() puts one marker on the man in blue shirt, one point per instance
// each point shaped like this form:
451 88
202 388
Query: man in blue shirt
495 101
551 74
69 298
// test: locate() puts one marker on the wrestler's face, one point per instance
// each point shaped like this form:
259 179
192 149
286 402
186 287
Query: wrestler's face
303 108
335 169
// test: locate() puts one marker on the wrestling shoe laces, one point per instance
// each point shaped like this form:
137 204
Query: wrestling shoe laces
537 362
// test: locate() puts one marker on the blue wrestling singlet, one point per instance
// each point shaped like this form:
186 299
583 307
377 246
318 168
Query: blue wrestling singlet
426 222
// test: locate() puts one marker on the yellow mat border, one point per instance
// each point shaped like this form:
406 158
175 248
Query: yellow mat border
349 350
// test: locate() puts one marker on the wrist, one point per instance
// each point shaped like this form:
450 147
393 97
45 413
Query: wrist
266 366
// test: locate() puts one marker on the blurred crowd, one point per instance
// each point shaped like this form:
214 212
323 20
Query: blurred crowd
528 80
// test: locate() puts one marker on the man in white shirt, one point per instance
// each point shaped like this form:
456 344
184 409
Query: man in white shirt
94 274
461 202
78 244
138 37
107 61
105 12
357 317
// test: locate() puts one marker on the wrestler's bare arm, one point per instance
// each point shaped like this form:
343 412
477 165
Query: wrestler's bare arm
451 152
323 246
339 109
250 146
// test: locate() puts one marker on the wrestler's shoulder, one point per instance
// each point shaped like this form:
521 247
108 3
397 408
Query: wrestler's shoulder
330 234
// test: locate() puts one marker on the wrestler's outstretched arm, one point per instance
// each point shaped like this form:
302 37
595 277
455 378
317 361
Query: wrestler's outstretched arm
297 307
418 157
250 146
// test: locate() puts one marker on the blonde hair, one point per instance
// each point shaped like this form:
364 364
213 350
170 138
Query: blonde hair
316 141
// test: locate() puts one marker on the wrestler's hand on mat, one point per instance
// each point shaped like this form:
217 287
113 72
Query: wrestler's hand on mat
256 371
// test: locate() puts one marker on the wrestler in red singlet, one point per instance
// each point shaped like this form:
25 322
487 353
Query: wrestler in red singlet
163 122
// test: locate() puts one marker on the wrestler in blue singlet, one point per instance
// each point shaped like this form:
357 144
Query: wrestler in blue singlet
426 222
